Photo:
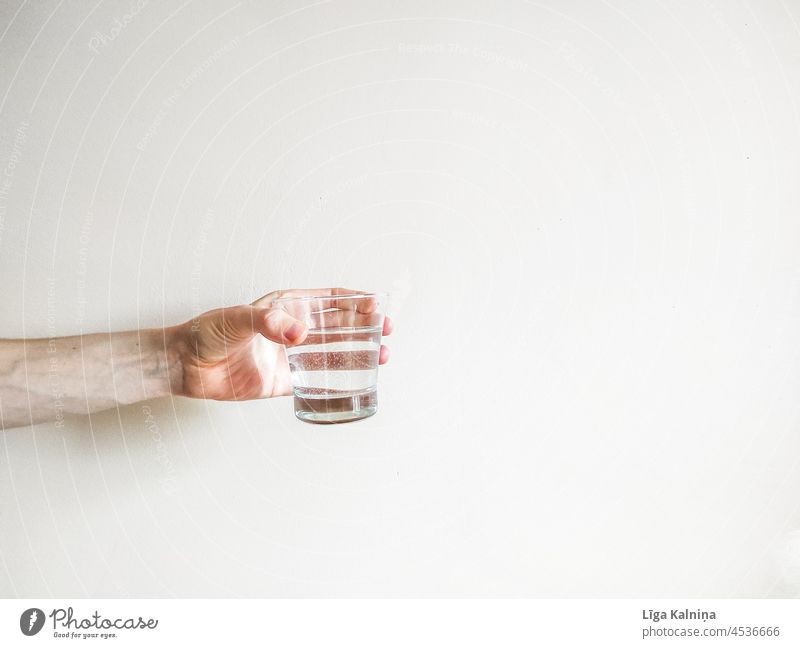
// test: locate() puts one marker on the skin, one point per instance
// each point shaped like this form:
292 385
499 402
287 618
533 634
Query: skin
233 353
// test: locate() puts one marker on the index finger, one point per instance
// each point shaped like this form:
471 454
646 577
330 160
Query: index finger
329 298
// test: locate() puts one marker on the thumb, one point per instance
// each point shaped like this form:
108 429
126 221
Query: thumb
277 325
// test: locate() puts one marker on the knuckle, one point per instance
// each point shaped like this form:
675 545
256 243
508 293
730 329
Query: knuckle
272 317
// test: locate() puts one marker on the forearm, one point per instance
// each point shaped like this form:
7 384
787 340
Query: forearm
45 379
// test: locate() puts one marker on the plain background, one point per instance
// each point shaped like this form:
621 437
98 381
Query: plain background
588 216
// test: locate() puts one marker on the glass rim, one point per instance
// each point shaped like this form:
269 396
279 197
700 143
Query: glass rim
317 297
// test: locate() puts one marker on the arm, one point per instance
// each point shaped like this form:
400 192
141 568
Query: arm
45 379
231 353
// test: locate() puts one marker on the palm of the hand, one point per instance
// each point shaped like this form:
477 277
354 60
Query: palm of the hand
255 368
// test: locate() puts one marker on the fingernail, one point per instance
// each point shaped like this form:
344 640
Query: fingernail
294 331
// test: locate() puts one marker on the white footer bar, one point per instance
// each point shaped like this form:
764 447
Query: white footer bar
400 622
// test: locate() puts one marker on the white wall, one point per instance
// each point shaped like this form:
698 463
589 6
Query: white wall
587 213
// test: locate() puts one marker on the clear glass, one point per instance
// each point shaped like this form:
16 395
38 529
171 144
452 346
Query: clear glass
335 369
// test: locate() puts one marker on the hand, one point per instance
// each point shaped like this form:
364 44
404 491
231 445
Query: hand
237 353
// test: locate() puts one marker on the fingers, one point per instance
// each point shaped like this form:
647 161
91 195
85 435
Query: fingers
303 292
329 298
342 319
240 323
280 327
388 326
332 307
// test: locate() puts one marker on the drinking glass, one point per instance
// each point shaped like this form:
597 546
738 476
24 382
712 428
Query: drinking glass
335 369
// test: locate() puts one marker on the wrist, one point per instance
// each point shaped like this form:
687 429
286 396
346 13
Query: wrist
176 346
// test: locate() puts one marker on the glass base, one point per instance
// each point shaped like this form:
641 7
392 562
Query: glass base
338 409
